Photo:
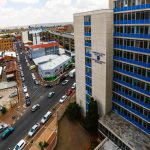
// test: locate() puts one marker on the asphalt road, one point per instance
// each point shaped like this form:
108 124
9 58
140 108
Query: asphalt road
38 94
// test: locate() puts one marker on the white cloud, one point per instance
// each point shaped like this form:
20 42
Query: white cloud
25 1
52 11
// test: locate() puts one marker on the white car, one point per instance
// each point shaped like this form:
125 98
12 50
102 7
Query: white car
33 130
21 144
73 86
26 95
24 89
3 126
63 98
50 94
46 117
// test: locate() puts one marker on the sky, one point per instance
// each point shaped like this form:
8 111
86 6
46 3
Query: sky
26 12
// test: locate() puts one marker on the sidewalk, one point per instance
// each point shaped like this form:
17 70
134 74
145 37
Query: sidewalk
50 130
47 135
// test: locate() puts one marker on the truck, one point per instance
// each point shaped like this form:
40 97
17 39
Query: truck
72 73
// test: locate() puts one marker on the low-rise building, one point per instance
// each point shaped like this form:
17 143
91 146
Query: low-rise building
43 49
53 67
9 94
6 44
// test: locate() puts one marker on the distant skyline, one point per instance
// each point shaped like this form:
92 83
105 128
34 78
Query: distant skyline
24 12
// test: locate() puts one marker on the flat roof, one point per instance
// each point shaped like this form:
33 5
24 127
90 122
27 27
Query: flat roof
109 145
44 59
11 66
94 12
5 85
70 36
54 63
8 53
51 44
127 132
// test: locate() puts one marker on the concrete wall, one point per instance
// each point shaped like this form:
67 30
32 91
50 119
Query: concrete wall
80 61
102 42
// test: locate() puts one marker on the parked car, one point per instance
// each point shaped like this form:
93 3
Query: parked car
26 95
36 82
64 77
69 92
35 107
24 89
48 85
1 96
73 86
46 117
28 102
3 126
65 82
33 130
63 98
33 76
21 144
7 132
13 94
50 94
28 64
23 79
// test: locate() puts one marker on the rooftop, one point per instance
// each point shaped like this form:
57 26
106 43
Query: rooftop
51 44
71 36
11 66
108 145
5 85
44 59
54 63
7 53
131 135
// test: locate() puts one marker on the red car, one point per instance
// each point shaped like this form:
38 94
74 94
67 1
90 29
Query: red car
69 92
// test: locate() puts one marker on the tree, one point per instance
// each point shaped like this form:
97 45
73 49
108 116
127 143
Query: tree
91 119
3 110
73 111
43 145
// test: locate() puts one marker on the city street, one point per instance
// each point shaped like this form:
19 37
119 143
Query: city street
38 94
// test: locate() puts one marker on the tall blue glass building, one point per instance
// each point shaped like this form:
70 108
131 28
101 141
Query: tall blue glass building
131 62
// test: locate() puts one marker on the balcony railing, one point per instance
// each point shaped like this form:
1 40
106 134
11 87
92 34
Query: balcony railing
132 86
131 109
145 36
87 34
88 44
88 74
146 21
88 54
133 99
132 74
132 61
88 83
144 6
88 64
87 23
143 50
132 122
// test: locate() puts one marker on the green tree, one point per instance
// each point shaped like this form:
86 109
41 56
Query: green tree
91 119
3 110
73 111
43 145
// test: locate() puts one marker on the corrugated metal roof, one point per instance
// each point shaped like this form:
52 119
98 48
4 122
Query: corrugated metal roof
50 65
44 45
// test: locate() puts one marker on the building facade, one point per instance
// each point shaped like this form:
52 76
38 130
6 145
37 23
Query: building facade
131 62
6 44
40 50
93 61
